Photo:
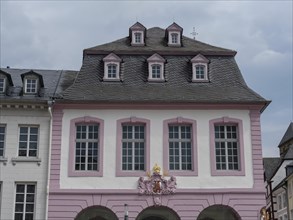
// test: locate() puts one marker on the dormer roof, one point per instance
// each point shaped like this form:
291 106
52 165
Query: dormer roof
8 76
156 58
31 72
112 57
174 27
137 26
199 59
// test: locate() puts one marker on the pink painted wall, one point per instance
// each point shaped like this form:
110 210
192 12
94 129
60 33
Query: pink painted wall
187 203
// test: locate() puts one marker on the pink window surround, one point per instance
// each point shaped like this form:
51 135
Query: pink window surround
71 162
132 121
226 121
180 121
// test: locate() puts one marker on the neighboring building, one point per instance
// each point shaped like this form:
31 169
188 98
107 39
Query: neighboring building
25 119
279 179
162 123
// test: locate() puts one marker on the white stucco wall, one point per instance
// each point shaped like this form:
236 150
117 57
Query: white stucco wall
156 117
24 172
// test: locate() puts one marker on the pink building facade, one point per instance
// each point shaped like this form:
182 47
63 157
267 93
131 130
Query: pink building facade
157 126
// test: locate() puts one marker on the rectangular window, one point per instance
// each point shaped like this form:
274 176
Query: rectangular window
284 198
112 71
87 147
200 72
2 140
156 71
174 38
285 217
2 84
133 147
31 86
180 147
28 141
24 201
226 147
279 202
137 37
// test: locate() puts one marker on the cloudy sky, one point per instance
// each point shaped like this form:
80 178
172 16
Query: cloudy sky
52 34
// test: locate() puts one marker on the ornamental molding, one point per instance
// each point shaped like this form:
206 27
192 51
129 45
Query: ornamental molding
156 185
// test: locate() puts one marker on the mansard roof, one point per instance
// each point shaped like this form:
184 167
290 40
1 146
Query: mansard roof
54 82
225 86
156 42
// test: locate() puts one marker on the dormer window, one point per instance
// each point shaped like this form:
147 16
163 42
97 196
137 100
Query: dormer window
31 86
137 34
174 35
112 67
199 68
5 82
32 82
156 68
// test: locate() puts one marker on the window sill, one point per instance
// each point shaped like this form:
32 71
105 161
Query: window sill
3 160
182 173
125 173
156 80
85 173
200 80
228 173
111 80
26 159
137 44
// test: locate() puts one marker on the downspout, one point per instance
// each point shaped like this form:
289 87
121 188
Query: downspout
272 200
50 104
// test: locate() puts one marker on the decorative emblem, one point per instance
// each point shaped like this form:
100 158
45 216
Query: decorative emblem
156 185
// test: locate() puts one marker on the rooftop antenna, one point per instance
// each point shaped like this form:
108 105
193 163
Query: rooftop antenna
194 33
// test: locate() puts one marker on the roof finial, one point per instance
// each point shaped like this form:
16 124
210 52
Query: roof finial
193 33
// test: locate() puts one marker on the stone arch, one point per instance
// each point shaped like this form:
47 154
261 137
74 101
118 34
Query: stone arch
96 213
158 213
218 212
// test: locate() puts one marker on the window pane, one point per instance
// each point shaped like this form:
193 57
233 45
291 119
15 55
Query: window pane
133 147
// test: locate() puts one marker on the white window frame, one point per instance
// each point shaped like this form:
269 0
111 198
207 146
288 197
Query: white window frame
225 141
151 78
194 75
28 141
87 141
133 42
180 140
199 60
3 88
109 74
26 85
131 144
25 202
109 60
170 39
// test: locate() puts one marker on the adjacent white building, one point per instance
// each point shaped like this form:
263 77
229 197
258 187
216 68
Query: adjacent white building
25 129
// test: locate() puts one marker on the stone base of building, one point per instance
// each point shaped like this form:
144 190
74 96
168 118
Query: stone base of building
182 205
